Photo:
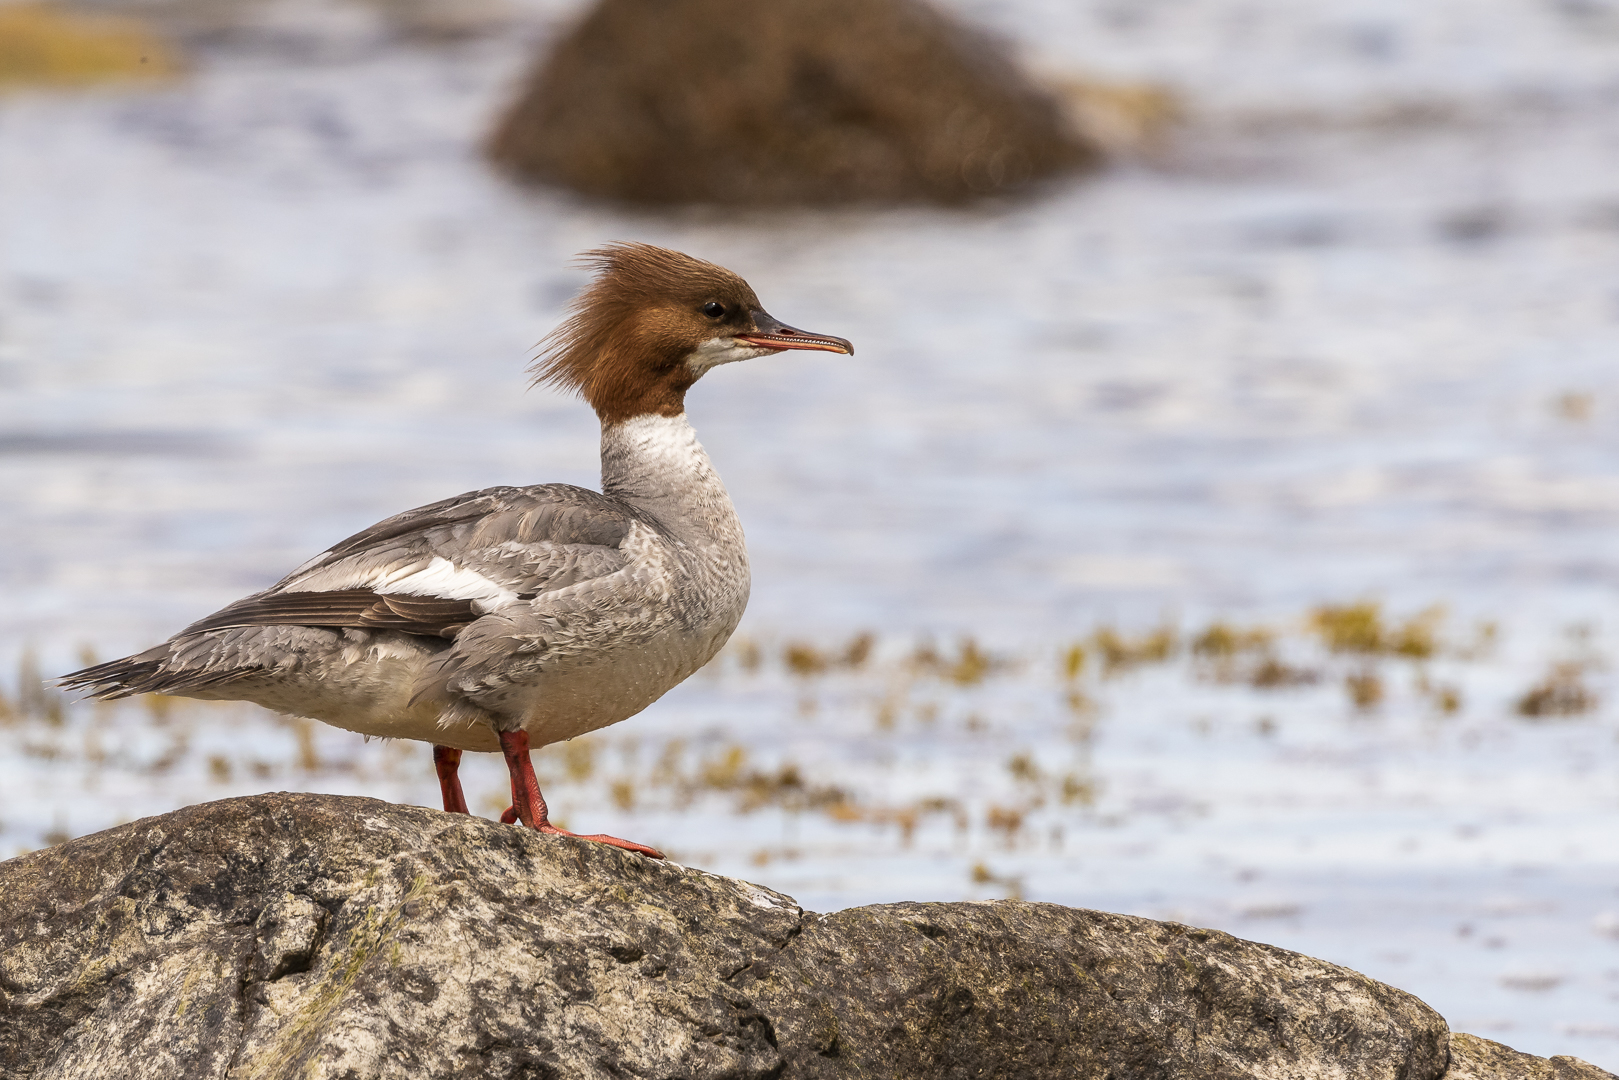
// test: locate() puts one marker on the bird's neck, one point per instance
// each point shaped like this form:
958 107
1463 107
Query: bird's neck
656 463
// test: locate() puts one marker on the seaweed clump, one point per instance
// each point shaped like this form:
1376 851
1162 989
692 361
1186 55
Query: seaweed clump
1359 628
797 102
44 46
1561 693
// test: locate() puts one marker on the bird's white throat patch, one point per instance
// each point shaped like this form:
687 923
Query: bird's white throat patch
658 457
721 350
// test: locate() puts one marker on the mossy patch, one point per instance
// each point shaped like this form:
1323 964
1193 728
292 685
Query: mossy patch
372 936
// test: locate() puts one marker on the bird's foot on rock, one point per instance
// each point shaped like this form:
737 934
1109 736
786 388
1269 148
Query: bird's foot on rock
510 817
603 838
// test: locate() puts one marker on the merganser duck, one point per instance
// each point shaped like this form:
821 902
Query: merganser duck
513 617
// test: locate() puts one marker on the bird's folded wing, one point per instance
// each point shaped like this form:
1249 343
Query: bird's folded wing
354 608
549 513
433 570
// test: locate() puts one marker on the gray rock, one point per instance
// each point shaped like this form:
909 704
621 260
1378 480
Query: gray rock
327 937
1473 1058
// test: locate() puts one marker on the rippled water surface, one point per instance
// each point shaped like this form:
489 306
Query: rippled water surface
1351 335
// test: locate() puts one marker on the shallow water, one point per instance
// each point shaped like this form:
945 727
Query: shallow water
1352 335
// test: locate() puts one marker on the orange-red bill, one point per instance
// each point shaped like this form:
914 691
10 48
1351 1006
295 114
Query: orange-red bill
788 338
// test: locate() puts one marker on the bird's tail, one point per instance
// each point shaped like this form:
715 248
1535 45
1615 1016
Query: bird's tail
138 674
155 671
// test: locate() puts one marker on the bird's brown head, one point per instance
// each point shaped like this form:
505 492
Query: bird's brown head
651 323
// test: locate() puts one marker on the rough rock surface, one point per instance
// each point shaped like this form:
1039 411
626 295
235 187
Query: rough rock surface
328 937
1473 1058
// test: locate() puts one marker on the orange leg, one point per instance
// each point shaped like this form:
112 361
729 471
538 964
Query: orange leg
446 761
528 805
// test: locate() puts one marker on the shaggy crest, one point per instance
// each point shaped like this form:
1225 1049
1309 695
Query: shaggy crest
644 303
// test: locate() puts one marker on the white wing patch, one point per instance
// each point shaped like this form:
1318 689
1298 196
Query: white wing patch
438 577
442 578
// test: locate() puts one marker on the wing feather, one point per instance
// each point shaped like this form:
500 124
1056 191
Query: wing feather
428 572
356 608
484 548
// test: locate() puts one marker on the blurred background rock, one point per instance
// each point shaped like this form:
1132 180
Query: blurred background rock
818 102
796 102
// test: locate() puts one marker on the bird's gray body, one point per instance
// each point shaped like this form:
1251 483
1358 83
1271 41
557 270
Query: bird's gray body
553 609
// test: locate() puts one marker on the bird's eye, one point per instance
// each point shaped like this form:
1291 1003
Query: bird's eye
714 310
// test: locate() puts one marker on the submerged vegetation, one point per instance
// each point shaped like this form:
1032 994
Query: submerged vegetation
1361 628
1120 653
1563 692
1025 728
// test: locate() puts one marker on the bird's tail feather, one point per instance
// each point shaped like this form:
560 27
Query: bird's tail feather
114 679
143 673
